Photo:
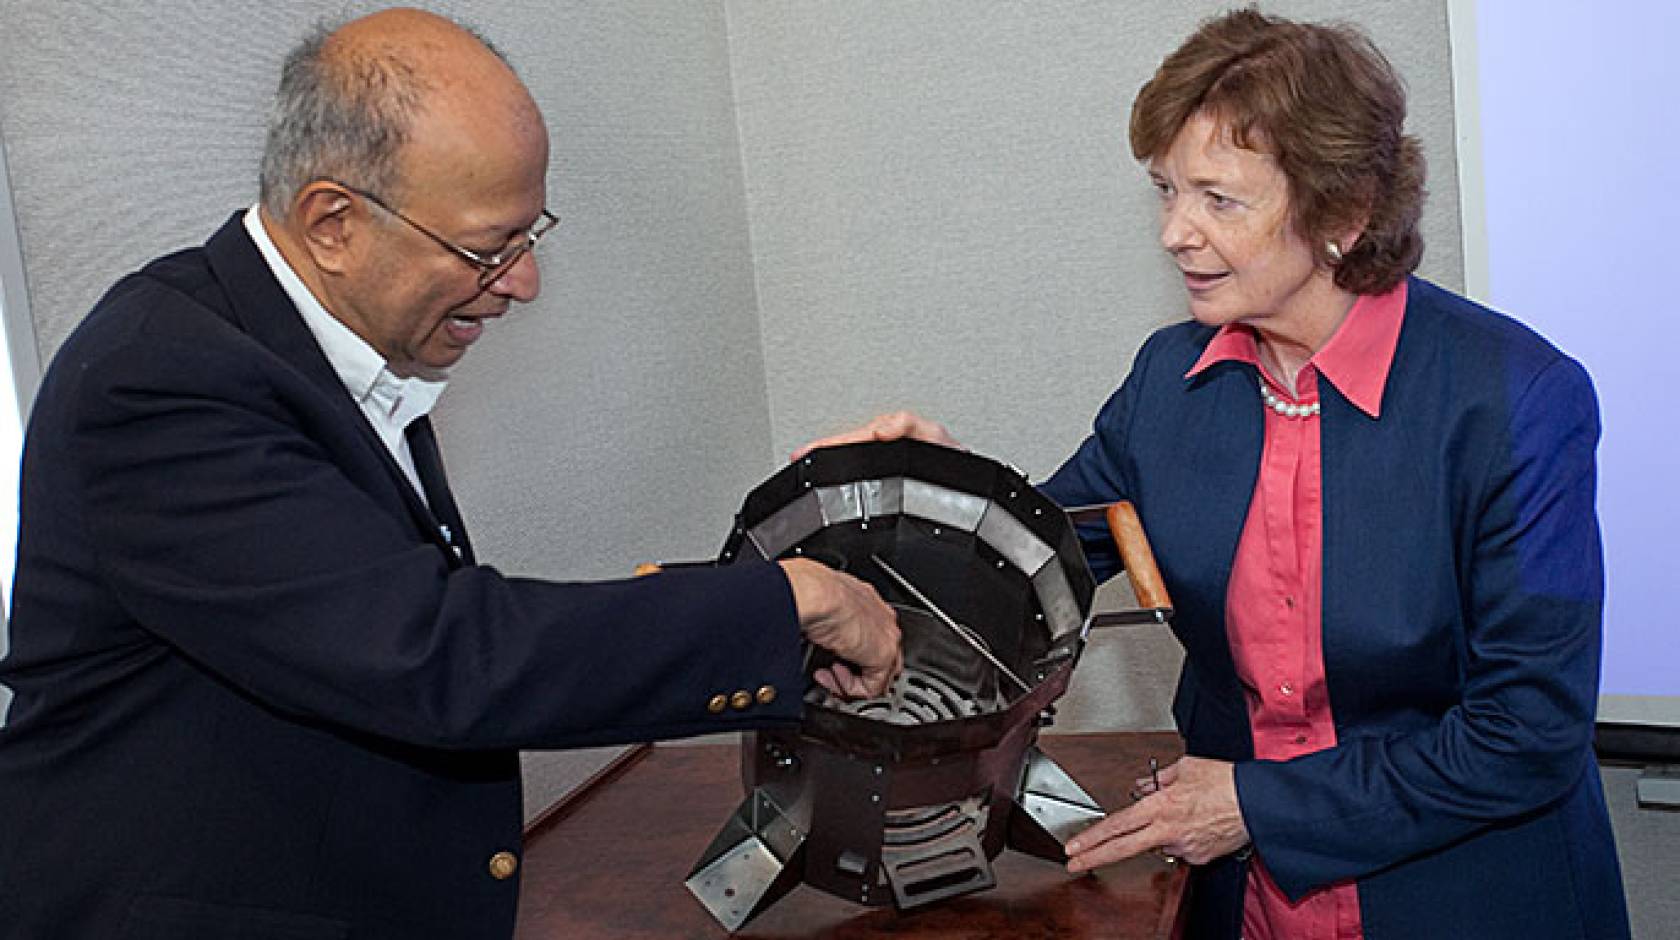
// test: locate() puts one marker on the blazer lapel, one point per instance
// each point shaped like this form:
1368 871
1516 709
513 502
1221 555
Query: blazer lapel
428 464
1213 488
258 305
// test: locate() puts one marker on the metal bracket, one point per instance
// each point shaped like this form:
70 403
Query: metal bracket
750 864
1054 809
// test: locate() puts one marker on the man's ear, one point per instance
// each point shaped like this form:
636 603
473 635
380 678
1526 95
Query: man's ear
327 222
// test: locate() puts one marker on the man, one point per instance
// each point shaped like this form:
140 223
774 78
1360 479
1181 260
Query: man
262 688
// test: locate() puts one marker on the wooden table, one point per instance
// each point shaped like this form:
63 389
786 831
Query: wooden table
610 860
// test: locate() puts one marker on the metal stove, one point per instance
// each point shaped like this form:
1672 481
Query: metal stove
905 799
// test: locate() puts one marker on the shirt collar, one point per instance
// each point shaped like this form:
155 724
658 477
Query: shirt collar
1356 360
359 366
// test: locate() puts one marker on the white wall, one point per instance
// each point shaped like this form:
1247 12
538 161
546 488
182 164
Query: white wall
1594 92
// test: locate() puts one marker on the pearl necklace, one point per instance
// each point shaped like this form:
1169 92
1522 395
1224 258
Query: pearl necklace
1287 409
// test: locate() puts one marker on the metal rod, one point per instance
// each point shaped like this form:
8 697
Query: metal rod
967 635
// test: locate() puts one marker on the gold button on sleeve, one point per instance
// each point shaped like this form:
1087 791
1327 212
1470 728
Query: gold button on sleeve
740 700
766 694
717 704
503 865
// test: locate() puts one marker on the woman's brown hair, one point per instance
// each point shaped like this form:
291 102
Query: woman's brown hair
1326 104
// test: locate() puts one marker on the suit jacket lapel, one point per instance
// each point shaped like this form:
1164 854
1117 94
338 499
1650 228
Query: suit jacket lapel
428 463
254 301
1228 467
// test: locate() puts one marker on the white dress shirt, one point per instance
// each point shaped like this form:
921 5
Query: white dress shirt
389 401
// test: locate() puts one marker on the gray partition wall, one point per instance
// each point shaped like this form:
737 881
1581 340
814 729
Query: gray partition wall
778 217
946 214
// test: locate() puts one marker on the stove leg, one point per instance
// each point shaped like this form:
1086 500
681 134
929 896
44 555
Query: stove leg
755 859
1050 809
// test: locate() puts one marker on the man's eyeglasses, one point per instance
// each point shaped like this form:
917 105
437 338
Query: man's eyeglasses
490 267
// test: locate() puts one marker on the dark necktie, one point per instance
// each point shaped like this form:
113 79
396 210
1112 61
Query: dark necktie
428 464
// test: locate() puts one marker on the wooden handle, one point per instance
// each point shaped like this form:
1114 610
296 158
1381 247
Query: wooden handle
1127 529
646 568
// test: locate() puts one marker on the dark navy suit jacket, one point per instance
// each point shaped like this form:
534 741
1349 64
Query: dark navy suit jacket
256 694
1461 617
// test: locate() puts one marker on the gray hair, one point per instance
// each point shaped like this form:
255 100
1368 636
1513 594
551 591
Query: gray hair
342 117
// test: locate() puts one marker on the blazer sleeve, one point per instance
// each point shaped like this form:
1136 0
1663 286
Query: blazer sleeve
1519 738
1096 472
228 530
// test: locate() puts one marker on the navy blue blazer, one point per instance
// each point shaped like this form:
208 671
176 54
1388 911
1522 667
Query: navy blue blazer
256 693
1463 591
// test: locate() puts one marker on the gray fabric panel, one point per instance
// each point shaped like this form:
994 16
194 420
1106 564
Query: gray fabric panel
946 215
619 418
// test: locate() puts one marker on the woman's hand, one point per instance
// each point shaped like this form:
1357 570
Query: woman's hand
1194 816
887 427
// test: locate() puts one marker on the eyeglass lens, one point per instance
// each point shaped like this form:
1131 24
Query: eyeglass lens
493 274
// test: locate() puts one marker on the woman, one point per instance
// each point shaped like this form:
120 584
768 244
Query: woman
1372 501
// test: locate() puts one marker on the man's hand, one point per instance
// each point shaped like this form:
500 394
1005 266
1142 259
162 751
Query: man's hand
1193 816
887 427
846 617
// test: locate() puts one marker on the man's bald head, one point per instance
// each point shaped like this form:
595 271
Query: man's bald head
351 97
